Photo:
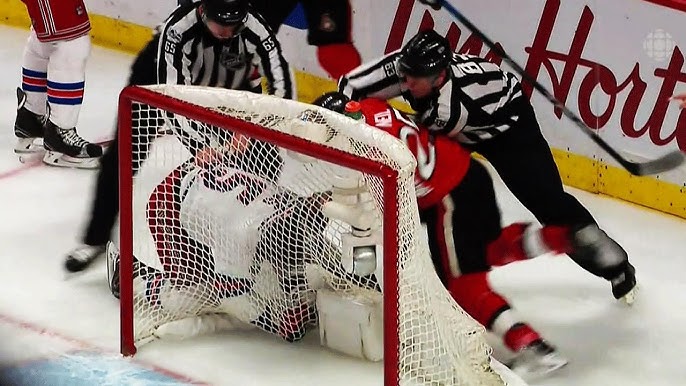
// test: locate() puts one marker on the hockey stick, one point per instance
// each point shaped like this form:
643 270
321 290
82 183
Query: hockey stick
664 163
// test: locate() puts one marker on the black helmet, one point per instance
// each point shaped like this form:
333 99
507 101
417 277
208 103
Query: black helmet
334 101
426 54
226 12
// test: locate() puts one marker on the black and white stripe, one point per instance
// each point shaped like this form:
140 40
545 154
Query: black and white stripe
472 106
187 54
377 79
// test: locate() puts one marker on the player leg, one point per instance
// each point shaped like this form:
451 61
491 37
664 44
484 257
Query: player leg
330 30
66 80
105 206
461 229
104 210
32 97
525 163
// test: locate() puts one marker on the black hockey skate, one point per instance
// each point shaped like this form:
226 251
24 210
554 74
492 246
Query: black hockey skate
82 257
624 286
64 147
596 252
28 128
142 272
536 361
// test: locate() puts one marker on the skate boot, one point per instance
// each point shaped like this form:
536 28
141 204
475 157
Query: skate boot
82 257
28 128
112 253
537 360
146 279
64 147
596 252
624 286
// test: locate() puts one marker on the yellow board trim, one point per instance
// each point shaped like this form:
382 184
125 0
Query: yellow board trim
577 171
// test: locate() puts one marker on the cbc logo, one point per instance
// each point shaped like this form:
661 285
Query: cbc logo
659 45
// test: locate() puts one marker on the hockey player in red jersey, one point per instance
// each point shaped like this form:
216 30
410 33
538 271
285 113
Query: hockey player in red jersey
457 204
53 74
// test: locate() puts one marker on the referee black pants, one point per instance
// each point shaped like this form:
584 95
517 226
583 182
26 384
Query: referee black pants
105 206
524 162
523 159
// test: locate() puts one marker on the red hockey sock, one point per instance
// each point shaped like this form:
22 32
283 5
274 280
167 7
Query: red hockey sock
508 247
475 296
473 293
557 238
338 59
520 336
518 242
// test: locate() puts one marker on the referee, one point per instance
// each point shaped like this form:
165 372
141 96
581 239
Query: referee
481 106
213 43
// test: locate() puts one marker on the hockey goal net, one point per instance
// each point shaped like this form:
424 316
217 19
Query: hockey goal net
224 218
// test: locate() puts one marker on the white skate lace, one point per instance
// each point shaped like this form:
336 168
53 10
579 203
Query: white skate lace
72 138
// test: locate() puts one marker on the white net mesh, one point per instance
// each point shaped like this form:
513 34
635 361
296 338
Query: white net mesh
226 223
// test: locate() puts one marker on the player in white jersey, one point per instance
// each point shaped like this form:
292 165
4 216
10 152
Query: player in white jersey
223 221
218 222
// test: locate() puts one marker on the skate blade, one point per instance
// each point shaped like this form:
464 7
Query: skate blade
541 369
29 149
30 157
52 158
630 296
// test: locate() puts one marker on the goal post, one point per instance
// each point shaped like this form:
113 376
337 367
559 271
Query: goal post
427 338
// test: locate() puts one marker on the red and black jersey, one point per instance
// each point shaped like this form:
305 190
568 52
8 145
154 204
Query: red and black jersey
441 162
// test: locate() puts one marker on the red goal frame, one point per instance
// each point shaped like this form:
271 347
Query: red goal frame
389 177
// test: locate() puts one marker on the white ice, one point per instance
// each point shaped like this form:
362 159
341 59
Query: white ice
43 211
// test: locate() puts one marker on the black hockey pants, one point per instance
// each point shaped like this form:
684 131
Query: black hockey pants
524 161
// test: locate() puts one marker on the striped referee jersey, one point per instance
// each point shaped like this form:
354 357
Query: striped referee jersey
187 53
473 105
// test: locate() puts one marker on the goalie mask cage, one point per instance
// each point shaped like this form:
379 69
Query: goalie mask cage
428 339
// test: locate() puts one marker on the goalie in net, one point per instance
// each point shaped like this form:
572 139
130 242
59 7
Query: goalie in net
233 243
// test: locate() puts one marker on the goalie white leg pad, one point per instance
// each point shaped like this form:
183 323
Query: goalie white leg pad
185 301
199 325
351 326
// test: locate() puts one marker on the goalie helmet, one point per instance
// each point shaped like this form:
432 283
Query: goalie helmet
334 101
426 54
226 12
